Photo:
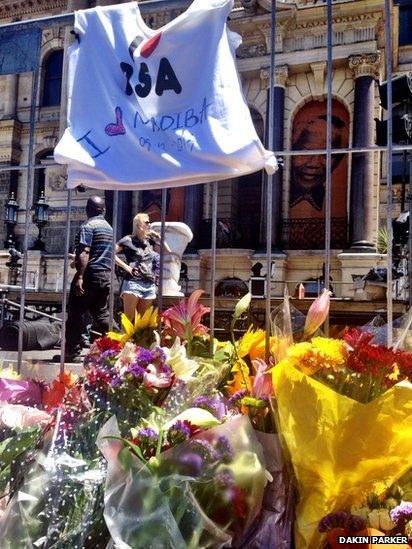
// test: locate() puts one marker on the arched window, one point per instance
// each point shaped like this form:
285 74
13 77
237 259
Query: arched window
52 83
405 21
40 174
249 196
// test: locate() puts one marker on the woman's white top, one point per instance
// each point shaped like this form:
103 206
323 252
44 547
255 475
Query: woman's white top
157 108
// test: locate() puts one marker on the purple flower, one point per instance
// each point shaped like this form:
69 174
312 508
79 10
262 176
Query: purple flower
402 512
147 439
237 396
144 356
116 381
110 353
166 369
147 434
136 370
203 448
341 519
355 524
190 464
225 479
179 432
206 403
158 355
224 450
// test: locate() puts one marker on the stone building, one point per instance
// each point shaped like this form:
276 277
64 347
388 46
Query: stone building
358 181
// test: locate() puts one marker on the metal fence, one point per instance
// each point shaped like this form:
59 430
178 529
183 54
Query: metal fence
26 35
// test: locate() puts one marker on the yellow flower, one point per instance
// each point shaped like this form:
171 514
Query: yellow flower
395 373
241 378
333 352
320 353
141 323
9 372
253 343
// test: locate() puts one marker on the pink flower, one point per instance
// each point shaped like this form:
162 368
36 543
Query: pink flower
262 385
317 313
19 391
21 417
183 320
157 376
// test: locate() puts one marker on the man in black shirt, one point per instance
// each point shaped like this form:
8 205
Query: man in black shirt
90 288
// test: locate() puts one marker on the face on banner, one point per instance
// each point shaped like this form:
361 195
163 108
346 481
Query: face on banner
308 172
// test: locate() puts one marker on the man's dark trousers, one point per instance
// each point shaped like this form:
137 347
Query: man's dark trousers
96 286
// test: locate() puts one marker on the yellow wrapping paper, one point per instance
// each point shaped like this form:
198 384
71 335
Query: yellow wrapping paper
339 447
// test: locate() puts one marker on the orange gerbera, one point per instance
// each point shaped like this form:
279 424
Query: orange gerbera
55 393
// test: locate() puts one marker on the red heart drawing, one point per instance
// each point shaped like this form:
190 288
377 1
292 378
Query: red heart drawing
118 128
149 47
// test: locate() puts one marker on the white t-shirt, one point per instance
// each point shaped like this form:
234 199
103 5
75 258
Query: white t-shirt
157 108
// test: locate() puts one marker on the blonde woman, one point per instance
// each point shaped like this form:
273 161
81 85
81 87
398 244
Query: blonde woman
141 252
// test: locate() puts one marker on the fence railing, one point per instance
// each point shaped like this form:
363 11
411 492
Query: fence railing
26 35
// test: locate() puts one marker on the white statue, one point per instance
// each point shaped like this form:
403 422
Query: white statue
177 235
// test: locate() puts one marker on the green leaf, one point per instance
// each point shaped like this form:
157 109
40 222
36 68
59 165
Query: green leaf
12 447
131 445
4 479
159 443
126 459
254 402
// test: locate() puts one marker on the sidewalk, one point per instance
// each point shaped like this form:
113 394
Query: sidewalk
39 364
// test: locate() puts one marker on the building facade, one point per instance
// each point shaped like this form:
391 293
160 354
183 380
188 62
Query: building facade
298 209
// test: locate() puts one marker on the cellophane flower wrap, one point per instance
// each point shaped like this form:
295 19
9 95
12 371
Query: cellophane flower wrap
248 387
203 492
57 499
340 447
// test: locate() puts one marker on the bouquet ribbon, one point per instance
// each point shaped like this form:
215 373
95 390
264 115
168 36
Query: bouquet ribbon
339 447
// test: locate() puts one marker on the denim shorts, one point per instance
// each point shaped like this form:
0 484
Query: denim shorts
140 288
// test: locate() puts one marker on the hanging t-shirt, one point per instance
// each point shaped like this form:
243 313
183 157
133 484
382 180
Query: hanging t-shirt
157 108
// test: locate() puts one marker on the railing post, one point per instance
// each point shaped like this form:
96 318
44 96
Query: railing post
389 197
270 178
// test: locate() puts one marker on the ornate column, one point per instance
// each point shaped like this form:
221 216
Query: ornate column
281 75
10 96
365 68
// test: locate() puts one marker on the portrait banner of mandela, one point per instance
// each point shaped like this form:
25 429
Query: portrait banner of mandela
308 177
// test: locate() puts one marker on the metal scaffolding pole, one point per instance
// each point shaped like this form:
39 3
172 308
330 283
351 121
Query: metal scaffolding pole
162 256
213 265
113 265
269 196
328 183
389 196
65 278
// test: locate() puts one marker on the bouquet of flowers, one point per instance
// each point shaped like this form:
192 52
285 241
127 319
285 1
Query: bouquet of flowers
383 512
249 387
343 409
195 482
56 497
